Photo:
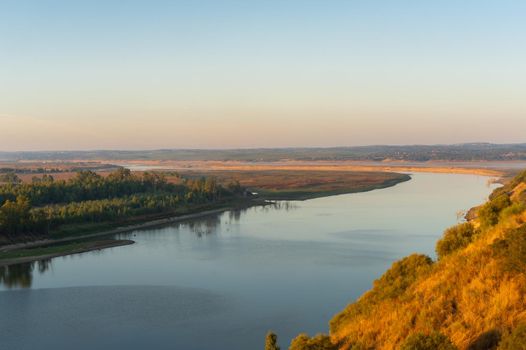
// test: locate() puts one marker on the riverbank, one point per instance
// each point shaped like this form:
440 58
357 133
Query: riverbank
123 229
48 248
318 184
279 185
26 255
52 247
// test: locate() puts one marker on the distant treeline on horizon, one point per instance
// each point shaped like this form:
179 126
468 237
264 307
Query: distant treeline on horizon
457 152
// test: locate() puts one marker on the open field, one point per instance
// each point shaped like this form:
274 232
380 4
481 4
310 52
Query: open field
303 184
60 170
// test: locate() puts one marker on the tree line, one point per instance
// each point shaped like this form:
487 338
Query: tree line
46 203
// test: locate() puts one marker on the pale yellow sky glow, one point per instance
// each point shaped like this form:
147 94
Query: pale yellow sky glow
330 129
308 74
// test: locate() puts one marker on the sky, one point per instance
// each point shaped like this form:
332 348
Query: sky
110 74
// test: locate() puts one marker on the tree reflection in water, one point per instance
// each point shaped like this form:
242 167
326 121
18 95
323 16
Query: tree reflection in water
21 275
279 205
204 226
208 225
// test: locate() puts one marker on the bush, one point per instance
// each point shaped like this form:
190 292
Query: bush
511 250
401 275
489 213
433 341
514 209
271 341
319 342
516 340
455 238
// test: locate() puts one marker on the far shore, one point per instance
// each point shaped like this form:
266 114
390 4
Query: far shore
490 168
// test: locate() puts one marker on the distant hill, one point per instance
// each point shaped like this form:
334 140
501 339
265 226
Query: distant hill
459 152
472 298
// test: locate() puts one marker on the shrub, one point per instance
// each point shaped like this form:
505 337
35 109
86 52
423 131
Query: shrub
433 341
271 341
514 209
319 342
401 275
511 250
516 340
455 238
488 214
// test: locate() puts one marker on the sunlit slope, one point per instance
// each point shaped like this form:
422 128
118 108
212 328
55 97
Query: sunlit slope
473 297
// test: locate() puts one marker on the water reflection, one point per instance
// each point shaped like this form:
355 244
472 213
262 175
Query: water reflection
21 275
279 205
208 225
204 226
235 215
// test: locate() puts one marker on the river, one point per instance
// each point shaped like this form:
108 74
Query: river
221 282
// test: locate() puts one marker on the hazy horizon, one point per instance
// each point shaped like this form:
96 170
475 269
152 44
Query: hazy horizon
227 74
255 148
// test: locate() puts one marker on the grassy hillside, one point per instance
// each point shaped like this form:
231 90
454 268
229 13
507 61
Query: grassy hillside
473 297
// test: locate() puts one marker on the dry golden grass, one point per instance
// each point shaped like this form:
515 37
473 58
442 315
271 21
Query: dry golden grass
466 295
308 181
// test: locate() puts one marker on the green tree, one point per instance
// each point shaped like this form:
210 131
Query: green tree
14 216
10 178
47 178
91 198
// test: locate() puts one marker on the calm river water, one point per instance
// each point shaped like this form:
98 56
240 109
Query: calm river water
223 281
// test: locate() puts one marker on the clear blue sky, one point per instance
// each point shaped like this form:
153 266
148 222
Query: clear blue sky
213 74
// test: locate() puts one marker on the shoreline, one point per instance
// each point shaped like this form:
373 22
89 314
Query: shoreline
82 248
124 229
174 219
200 214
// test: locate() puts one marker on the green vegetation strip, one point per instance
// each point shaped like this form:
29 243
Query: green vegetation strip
27 255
